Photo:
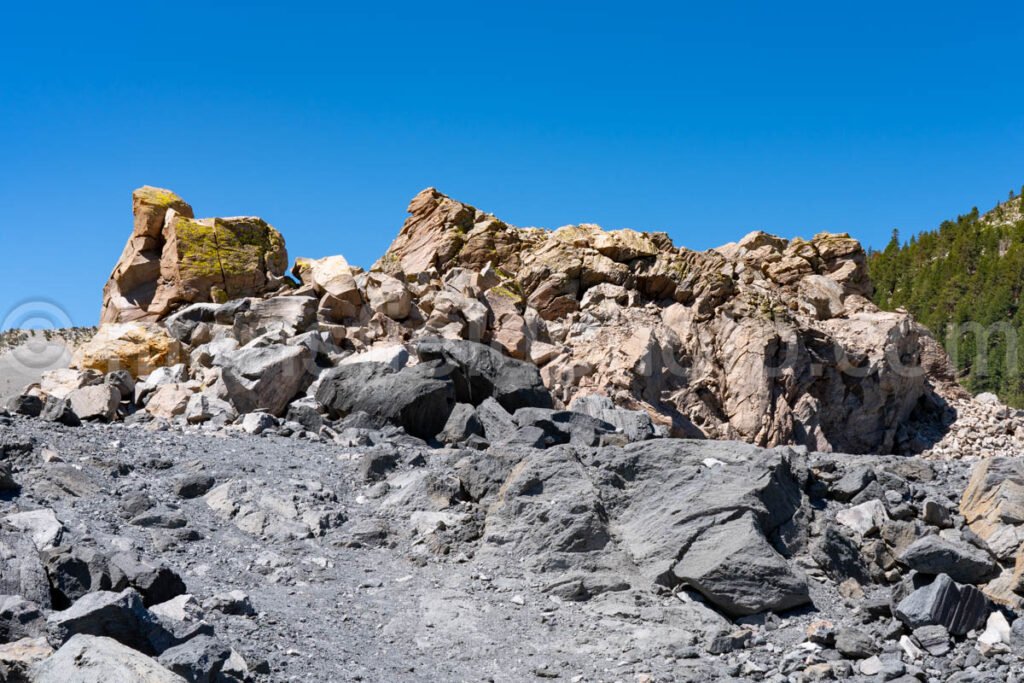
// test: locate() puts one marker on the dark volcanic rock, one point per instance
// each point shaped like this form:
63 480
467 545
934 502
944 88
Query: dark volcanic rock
480 372
961 562
946 603
120 616
410 398
733 566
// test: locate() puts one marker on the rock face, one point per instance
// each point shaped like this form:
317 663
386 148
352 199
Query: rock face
766 340
172 258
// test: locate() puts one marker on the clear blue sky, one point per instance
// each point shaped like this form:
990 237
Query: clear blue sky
703 119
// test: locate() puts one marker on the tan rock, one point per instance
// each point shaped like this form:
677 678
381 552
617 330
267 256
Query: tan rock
60 382
388 296
173 259
993 504
169 401
136 347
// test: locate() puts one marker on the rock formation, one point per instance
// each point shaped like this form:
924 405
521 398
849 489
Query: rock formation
766 340
173 259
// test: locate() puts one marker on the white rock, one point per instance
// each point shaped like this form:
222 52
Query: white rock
996 636
43 525
911 649
863 518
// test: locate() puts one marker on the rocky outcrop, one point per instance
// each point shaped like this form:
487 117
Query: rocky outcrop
173 259
766 340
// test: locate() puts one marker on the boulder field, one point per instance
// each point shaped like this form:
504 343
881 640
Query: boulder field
504 454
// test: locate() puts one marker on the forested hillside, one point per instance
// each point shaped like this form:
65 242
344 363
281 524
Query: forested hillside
964 281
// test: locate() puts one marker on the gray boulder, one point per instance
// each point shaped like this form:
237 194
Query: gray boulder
636 425
264 379
199 660
960 561
497 422
20 618
120 616
182 323
59 410
959 608
480 372
90 659
733 566
462 423
25 404
411 398
21 571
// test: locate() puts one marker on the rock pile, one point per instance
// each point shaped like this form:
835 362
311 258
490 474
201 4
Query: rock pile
984 428
767 341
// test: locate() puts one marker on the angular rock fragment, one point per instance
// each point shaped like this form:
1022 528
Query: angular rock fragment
960 561
943 602
120 616
733 566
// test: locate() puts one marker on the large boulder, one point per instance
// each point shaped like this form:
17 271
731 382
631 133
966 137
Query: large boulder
120 616
412 398
139 348
173 259
92 659
733 566
265 379
97 402
480 372
944 602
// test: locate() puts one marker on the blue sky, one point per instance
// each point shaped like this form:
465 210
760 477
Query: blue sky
706 120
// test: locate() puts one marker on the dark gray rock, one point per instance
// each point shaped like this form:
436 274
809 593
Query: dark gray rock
26 404
936 513
961 562
960 608
306 411
193 485
409 398
734 567
840 557
59 410
123 381
155 582
526 437
182 323
497 422
933 639
462 423
635 425
854 643
198 660
120 616
74 572
20 618
852 483
479 372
